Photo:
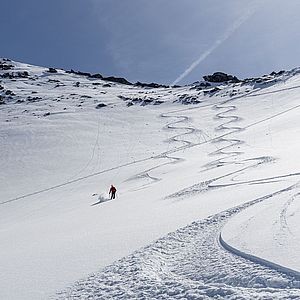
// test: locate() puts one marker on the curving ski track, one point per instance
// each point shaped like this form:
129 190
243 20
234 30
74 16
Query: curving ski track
163 154
178 138
190 263
228 156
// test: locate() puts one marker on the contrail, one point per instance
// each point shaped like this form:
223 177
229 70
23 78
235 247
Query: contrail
235 26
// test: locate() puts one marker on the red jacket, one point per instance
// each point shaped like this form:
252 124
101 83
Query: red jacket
112 189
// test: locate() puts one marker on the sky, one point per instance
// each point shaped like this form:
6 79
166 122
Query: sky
165 41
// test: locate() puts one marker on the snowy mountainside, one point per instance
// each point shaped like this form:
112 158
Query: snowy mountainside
207 179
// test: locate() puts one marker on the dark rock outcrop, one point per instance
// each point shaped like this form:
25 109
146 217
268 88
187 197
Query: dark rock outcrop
141 101
79 73
188 99
211 92
151 85
100 105
199 86
9 93
4 65
2 100
219 77
12 75
34 99
117 80
277 73
52 70
97 76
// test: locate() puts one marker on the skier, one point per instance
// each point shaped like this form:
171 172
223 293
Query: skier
112 192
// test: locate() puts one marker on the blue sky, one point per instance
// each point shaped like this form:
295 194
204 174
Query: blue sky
155 40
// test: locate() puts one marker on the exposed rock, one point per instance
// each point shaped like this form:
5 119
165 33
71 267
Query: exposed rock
2 100
5 66
150 85
117 80
106 85
15 75
188 99
220 77
139 100
124 98
22 74
211 91
158 102
9 93
147 102
52 70
34 99
6 75
53 80
100 105
84 73
199 86
277 73
204 84
98 76
79 73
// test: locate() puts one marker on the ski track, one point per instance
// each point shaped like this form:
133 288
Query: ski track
229 156
281 234
178 138
190 263
283 216
163 154
145 173
96 146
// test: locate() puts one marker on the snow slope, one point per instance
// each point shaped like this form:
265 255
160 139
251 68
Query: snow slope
227 155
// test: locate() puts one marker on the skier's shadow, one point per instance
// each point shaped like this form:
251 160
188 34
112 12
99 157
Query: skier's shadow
100 201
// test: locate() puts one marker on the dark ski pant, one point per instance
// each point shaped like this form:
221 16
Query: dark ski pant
113 195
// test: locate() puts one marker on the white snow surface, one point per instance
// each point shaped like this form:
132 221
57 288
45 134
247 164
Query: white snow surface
207 184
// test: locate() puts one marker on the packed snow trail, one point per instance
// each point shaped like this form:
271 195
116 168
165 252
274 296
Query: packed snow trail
272 219
189 263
